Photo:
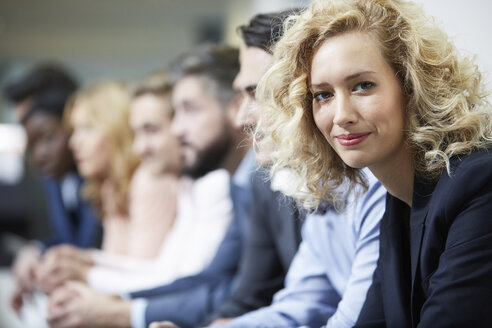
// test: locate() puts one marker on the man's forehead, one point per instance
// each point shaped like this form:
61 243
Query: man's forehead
254 63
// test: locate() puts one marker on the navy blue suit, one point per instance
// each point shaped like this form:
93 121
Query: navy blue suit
435 265
81 228
188 301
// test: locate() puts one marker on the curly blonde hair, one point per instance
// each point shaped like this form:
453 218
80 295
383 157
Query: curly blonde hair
108 106
447 113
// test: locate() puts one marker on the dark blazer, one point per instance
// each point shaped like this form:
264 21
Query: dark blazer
273 239
435 265
80 228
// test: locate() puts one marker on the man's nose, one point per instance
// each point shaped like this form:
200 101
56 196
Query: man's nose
244 117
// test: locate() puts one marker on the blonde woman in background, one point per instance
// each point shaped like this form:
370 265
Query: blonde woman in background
102 145
153 196
375 83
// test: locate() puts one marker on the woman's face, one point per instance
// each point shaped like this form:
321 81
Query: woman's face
357 101
153 141
90 146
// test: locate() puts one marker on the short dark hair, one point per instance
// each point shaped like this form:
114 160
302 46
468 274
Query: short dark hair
39 79
217 64
264 30
51 102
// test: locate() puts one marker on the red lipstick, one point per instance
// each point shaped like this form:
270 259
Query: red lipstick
351 139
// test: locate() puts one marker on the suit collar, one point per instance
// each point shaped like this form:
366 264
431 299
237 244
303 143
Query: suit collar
422 194
394 253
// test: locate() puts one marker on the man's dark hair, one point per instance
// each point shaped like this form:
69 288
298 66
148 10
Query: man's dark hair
264 30
39 79
218 65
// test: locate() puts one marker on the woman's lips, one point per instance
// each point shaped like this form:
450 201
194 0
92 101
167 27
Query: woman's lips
352 139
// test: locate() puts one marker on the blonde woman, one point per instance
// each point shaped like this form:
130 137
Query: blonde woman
374 83
102 145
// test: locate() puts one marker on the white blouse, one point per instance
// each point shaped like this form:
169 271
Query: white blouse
204 213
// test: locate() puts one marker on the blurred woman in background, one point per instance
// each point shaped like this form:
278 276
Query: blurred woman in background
101 142
102 145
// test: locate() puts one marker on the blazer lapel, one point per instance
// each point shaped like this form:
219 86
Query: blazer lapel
421 196
395 269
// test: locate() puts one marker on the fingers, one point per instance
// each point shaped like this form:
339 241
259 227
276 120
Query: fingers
48 281
61 296
62 307
24 265
78 288
56 270
64 316
71 252
16 299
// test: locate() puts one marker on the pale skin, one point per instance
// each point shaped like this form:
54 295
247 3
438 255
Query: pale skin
196 111
60 264
159 152
358 106
153 142
90 147
254 63
76 305
23 270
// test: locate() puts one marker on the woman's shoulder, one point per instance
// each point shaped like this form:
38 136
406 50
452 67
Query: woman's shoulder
470 175
476 164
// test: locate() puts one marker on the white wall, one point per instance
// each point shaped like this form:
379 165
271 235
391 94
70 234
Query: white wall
469 24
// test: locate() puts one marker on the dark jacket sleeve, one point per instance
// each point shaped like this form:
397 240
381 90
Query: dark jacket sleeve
87 231
261 272
189 307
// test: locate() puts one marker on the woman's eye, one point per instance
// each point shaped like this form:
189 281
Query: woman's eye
322 96
363 86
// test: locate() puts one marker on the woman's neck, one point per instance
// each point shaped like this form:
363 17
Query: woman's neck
397 175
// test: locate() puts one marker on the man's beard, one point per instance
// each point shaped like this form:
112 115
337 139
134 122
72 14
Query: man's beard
209 159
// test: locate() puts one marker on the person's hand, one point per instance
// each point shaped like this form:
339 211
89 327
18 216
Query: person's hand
73 252
163 324
60 264
221 321
24 266
76 305
17 298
